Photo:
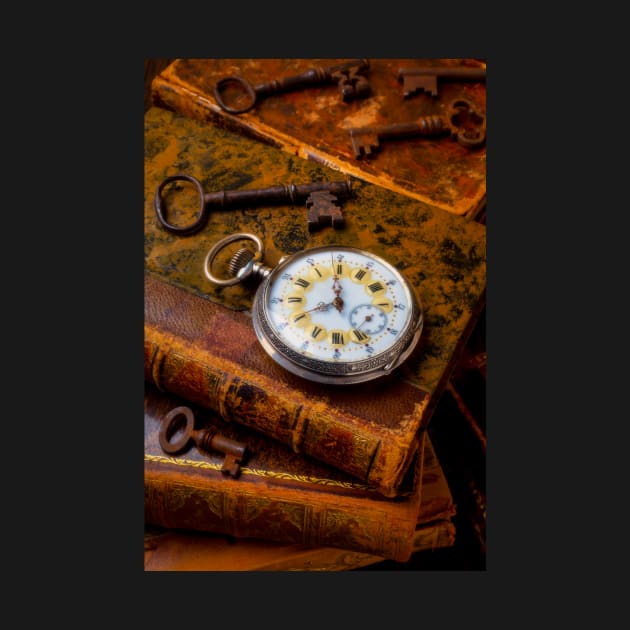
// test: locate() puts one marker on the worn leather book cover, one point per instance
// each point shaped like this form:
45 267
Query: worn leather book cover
315 122
275 494
210 356
188 550
178 550
199 341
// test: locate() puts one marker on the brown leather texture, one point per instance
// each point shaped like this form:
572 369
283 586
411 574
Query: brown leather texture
172 550
169 550
314 122
211 356
279 495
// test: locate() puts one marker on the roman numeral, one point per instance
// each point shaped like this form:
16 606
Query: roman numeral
337 339
375 287
359 335
302 283
384 304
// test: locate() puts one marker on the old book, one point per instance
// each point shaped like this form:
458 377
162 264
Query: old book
172 550
277 494
179 550
314 122
188 550
199 340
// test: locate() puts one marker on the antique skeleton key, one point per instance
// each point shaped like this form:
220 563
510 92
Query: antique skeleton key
321 209
426 78
463 124
204 439
348 77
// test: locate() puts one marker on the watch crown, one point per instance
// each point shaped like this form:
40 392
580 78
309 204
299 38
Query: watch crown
239 260
246 264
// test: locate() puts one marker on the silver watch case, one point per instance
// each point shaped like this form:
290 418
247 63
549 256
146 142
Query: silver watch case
331 372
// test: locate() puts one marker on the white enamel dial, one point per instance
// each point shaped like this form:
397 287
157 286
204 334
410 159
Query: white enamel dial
337 314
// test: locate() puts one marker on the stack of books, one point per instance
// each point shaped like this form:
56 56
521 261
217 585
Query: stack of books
312 513
334 477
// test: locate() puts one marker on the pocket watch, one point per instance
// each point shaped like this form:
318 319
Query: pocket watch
330 314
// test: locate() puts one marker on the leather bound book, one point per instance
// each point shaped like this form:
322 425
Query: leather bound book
178 550
199 341
211 356
275 495
194 550
314 122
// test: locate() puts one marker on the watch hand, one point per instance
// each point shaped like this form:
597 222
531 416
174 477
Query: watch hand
337 288
321 306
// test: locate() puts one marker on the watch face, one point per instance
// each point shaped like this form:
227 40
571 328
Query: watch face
337 314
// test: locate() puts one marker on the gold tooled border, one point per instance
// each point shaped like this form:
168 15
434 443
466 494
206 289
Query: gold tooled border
245 470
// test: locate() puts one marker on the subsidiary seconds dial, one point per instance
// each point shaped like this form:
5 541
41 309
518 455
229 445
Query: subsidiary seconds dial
332 314
368 318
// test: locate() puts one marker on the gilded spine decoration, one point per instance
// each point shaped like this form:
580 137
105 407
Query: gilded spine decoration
175 366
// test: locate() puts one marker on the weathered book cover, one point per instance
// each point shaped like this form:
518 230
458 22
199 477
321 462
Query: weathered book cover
176 550
187 550
211 356
200 344
277 495
315 122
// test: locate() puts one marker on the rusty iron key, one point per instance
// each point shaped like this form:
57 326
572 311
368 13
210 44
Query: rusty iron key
205 439
463 123
320 209
348 76
426 78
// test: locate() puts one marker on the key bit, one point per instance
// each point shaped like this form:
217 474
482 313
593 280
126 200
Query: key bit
351 83
322 210
426 78
205 439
